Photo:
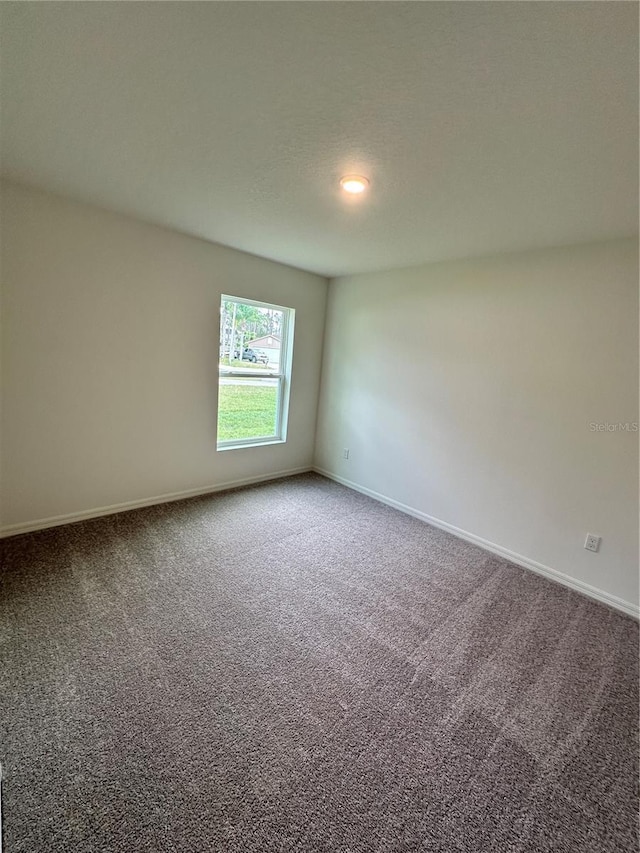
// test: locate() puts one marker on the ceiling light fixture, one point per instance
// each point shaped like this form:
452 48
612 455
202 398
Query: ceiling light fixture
354 184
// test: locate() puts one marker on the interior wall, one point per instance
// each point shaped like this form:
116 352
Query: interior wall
474 393
109 359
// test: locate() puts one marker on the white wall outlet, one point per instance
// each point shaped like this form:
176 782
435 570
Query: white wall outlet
345 453
592 543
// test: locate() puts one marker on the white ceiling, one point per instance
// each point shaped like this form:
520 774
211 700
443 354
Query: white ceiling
484 127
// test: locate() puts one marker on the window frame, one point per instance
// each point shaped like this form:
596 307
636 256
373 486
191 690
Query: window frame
282 375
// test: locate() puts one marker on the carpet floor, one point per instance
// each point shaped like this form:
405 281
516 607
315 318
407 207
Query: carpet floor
295 667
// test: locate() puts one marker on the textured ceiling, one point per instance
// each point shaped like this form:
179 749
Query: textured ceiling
484 127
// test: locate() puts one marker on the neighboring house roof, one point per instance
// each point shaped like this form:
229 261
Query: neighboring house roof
268 341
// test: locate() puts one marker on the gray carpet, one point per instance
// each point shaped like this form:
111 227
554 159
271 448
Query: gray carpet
295 667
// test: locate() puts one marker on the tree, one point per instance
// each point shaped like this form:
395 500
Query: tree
240 321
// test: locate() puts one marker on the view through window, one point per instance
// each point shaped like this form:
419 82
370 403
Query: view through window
254 369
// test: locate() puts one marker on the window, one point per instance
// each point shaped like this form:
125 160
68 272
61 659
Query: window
256 347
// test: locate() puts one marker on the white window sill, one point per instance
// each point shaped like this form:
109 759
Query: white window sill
259 442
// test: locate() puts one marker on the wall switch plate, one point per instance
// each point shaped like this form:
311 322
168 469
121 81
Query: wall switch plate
592 543
345 453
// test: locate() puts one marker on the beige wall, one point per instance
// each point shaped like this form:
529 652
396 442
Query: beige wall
109 358
466 390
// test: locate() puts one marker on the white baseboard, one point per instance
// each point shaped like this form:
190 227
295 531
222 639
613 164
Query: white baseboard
97 512
586 589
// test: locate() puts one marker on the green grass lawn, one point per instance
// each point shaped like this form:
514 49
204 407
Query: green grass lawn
246 411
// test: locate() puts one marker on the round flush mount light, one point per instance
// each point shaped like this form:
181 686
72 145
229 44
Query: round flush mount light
354 184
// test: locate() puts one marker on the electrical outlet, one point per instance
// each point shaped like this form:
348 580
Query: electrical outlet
592 543
345 453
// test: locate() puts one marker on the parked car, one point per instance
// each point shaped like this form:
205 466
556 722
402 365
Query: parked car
262 356
247 355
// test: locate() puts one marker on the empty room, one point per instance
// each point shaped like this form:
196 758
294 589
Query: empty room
319 427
